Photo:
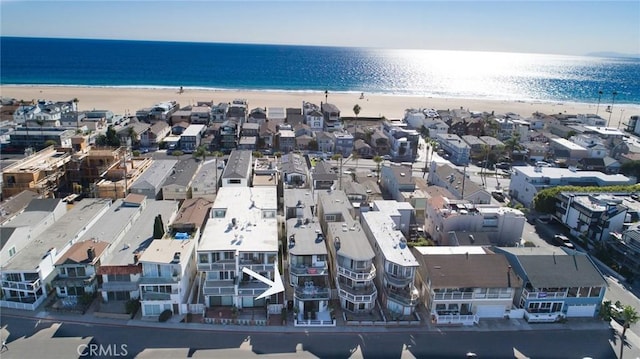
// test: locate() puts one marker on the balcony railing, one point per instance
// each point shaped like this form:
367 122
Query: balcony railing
397 281
157 295
540 295
406 297
453 295
308 270
368 274
217 266
21 285
312 293
252 288
358 295
464 319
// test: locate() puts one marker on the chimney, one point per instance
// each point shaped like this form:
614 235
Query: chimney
509 276
176 257
467 255
91 254
135 258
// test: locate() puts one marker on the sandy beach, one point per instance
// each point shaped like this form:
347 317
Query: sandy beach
129 100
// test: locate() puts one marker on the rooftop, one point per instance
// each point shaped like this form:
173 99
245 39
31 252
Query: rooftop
193 212
334 202
557 173
155 174
183 172
352 241
238 165
16 204
193 130
205 177
75 222
167 251
138 238
468 271
78 253
305 237
568 144
242 219
551 271
390 239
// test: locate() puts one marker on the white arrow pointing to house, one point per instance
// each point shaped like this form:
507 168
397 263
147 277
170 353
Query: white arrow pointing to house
276 287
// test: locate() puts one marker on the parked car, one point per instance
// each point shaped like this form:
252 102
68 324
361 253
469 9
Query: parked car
543 164
562 240
386 158
503 165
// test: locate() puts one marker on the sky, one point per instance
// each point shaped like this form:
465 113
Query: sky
554 27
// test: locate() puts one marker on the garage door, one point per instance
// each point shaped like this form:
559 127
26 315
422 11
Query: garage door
490 311
581 310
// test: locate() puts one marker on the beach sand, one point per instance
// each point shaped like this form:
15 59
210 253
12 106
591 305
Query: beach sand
129 100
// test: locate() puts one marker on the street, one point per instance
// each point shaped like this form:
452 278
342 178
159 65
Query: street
32 339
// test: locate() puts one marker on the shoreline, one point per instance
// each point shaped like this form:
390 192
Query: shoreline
129 99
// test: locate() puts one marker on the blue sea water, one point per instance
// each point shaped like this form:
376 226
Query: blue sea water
428 73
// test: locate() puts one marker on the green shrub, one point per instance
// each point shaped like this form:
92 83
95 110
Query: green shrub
165 315
132 306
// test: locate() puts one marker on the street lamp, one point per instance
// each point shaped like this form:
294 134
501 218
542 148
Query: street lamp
613 99
326 95
620 121
599 97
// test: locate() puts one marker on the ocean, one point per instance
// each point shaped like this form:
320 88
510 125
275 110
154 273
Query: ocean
427 73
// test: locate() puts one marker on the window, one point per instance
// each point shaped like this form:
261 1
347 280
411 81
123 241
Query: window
234 181
204 258
219 213
118 278
229 255
595 292
268 214
12 251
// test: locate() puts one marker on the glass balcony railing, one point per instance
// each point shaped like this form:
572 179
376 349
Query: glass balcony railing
312 293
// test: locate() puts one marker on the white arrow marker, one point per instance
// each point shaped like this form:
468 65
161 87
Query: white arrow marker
276 287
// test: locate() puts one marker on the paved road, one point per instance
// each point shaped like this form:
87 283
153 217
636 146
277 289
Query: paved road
33 339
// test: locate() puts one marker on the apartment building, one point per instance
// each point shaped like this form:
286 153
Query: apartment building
350 254
386 227
459 151
595 215
242 231
308 261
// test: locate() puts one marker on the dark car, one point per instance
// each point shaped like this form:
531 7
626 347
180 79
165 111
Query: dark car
503 165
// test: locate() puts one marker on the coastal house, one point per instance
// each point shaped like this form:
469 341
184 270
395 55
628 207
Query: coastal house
308 261
129 135
452 221
351 258
168 272
237 171
28 272
219 112
386 227
228 138
331 117
207 179
556 285
527 181
120 269
294 169
258 116
149 183
266 172
379 142
191 217
455 147
36 137
200 115
18 229
326 142
152 137
76 270
285 139
625 250
15 205
178 185
191 138
178 128
463 285
363 149
323 176
343 143
242 232
596 216
250 129
449 177
397 178
403 141
476 146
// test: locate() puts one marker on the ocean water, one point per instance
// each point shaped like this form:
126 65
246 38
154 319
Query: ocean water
428 73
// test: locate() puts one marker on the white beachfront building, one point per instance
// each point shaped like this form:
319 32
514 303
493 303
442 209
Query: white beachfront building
242 231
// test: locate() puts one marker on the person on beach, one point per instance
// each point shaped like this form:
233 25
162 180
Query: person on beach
181 90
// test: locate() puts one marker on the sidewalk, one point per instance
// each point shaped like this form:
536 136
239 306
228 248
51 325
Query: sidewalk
484 325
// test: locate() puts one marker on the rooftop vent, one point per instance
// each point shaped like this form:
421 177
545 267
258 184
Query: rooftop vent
176 257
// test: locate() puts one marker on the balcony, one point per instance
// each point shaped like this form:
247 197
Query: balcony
308 270
358 295
397 281
229 265
32 287
368 274
158 295
408 297
453 295
219 287
311 292
454 318
251 288
541 295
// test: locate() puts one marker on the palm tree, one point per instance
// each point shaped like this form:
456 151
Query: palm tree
630 316
599 97
356 110
326 96
216 155
75 102
201 151
378 160
355 155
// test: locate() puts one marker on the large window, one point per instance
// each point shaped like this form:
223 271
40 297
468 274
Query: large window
203 258
118 278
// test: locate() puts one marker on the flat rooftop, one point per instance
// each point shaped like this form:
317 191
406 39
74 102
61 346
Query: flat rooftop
242 219
307 237
438 250
164 251
66 230
390 240
113 225
568 144
353 242
558 173
140 235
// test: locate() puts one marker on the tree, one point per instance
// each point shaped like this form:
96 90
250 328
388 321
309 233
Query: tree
158 228
201 151
378 160
424 131
177 153
133 136
48 143
257 154
356 156
75 109
356 110
111 138
629 316
631 168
